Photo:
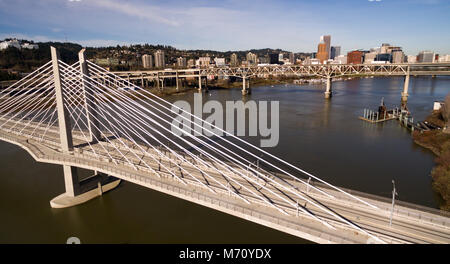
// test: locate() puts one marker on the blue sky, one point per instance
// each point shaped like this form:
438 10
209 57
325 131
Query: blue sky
294 25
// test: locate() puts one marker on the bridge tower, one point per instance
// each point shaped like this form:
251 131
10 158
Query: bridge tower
328 91
77 191
405 87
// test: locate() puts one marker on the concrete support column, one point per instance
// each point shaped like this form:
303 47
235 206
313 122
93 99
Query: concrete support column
245 86
65 131
176 79
199 81
92 120
157 81
405 88
328 91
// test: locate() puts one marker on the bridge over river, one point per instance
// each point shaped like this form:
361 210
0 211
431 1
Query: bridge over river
61 114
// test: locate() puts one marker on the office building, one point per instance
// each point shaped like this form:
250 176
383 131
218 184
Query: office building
355 57
398 56
426 57
322 54
292 58
335 51
273 58
327 40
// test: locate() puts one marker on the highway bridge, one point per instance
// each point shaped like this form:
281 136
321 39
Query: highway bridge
61 114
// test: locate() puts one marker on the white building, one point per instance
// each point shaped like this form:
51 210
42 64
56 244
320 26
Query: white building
412 59
203 62
220 62
341 59
444 58
370 57
147 61
30 46
160 60
10 43
426 56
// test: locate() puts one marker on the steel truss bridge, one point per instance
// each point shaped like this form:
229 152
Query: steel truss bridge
82 116
328 72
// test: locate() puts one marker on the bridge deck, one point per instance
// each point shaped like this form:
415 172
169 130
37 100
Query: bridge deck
409 225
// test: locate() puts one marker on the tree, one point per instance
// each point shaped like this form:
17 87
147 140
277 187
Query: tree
446 110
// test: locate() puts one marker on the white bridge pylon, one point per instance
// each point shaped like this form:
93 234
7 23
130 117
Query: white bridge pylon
111 119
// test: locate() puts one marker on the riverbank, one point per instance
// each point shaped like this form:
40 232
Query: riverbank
439 143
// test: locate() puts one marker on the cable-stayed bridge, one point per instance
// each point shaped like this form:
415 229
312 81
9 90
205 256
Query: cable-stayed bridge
69 115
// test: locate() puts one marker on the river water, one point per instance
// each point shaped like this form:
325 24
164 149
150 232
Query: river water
324 137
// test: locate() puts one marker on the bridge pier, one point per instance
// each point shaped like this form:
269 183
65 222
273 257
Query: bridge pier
328 91
405 88
245 87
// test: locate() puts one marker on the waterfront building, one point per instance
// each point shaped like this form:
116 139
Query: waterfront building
147 61
160 61
369 57
355 57
426 57
341 59
398 56
444 58
327 40
322 54
252 59
412 59
384 57
335 51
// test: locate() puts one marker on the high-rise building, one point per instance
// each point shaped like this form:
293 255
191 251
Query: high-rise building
160 61
234 60
384 47
398 56
335 51
292 58
252 59
273 58
426 56
322 54
369 57
355 57
327 40
181 62
147 61
280 57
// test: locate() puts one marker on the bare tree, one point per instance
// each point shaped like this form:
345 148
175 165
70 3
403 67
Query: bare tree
446 110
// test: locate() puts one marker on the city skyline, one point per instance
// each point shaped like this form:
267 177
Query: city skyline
218 26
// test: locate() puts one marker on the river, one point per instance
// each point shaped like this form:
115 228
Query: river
324 137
